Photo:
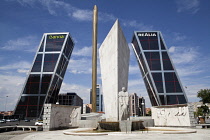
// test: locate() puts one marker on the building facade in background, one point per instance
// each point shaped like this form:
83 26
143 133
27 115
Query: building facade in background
87 108
46 75
159 74
142 106
70 98
99 99
136 105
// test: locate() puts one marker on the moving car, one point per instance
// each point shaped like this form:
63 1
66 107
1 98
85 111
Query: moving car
3 121
39 123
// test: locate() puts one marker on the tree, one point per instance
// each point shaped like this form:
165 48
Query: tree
204 95
199 112
149 113
202 111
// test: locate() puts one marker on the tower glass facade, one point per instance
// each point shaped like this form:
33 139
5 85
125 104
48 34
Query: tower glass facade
99 99
46 75
159 74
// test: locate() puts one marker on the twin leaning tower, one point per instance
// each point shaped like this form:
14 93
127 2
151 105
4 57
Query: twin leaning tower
51 60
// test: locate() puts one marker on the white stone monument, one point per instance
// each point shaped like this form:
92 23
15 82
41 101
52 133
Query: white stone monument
114 57
173 115
123 105
60 116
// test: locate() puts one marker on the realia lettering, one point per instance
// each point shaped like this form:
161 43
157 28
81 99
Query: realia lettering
147 34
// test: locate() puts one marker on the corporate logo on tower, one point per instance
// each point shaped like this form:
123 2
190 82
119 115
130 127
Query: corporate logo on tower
147 34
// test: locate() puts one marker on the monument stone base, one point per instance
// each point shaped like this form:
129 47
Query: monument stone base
90 120
147 120
60 116
173 115
124 126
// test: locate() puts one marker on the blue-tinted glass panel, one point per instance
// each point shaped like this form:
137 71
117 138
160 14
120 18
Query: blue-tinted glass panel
32 85
52 86
176 99
61 64
41 101
54 42
157 77
37 64
64 70
136 46
21 111
54 92
162 44
172 99
150 91
172 83
68 47
182 99
148 40
28 106
166 62
42 45
162 99
46 78
50 61
153 60
143 64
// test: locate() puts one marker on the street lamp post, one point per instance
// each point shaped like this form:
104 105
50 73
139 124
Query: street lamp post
5 105
142 108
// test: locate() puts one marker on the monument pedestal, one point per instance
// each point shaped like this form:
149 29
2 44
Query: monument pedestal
173 115
123 126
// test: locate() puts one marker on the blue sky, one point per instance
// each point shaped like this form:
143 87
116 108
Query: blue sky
183 23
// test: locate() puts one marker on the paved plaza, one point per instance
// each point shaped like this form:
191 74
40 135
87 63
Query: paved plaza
202 134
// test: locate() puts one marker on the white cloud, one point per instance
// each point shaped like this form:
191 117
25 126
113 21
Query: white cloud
106 17
26 2
172 49
80 66
134 69
135 24
81 62
188 5
86 51
84 15
184 55
81 90
19 65
10 86
188 60
188 70
179 37
192 91
26 71
136 82
56 8
28 43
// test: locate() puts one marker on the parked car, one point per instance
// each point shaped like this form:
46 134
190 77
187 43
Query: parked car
12 120
3 121
27 120
39 123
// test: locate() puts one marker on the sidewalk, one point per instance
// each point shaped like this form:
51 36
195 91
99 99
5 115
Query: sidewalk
202 134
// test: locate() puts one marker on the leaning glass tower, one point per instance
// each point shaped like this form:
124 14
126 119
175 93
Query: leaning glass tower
46 75
159 74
